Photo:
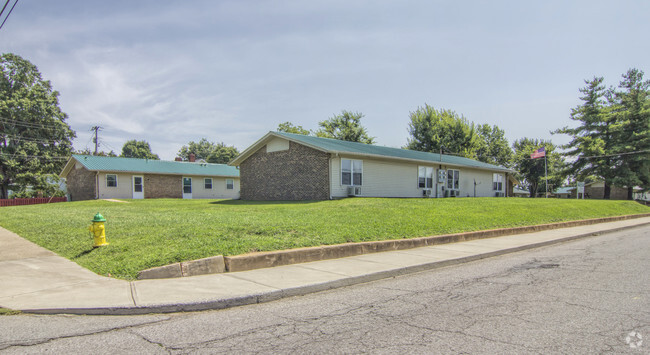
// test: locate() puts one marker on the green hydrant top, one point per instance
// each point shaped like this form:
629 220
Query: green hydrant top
99 218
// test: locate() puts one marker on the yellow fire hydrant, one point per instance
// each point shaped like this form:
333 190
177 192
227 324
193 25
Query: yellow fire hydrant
97 230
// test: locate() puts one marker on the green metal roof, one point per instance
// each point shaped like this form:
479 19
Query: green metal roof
339 146
564 190
149 166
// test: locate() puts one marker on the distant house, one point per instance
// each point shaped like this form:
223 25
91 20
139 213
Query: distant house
596 190
285 166
518 192
564 192
95 177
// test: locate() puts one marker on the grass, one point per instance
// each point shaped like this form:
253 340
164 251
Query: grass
148 233
8 312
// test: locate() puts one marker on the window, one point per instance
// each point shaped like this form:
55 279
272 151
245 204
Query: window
230 184
351 172
187 185
207 183
425 177
497 182
111 180
453 180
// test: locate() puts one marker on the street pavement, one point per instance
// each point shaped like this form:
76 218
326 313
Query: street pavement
39 281
586 296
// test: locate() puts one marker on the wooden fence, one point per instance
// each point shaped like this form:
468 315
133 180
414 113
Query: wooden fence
30 201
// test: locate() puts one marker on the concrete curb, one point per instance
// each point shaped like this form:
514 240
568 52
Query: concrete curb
260 260
311 288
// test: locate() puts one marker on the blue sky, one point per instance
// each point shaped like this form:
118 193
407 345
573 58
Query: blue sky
170 72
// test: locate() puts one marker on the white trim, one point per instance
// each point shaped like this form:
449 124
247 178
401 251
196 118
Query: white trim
232 184
106 180
204 183
135 194
187 195
351 172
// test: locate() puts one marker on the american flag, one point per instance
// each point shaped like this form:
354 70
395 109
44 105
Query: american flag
538 153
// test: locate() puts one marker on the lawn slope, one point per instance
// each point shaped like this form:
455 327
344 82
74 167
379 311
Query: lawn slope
148 233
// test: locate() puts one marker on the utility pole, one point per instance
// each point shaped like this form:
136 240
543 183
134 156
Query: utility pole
96 139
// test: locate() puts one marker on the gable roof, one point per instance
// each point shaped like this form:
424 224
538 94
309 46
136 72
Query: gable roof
329 145
149 166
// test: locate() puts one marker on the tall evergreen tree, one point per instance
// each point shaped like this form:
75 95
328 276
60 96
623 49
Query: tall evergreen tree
591 146
35 139
631 112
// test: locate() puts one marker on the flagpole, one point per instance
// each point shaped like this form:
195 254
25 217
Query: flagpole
545 175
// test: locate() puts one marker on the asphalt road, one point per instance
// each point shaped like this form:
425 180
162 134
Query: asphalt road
585 296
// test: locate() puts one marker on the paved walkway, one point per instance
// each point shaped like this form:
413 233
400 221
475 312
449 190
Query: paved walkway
37 280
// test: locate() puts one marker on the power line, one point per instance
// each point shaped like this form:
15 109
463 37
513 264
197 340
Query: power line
12 9
4 7
28 124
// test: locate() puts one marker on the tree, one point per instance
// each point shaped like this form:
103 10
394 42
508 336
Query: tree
288 127
222 154
443 131
138 149
493 147
592 140
345 126
631 114
531 171
100 153
35 139
208 151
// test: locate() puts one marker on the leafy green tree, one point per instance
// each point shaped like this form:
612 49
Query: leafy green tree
288 127
493 147
35 139
211 152
531 172
99 153
345 126
443 131
138 149
223 154
592 141
631 113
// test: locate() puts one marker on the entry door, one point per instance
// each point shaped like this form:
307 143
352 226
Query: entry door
138 187
187 187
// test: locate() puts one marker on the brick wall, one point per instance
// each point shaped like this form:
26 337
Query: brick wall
616 193
80 184
163 186
299 173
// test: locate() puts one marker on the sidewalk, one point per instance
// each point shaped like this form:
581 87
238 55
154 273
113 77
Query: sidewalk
36 280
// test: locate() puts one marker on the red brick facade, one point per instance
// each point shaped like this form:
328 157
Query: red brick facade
163 186
299 173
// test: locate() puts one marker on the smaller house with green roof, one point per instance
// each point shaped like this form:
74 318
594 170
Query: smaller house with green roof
96 177
286 166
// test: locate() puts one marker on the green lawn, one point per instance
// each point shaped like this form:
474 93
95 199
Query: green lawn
148 233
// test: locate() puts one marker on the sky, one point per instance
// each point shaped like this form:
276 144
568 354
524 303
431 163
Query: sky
171 72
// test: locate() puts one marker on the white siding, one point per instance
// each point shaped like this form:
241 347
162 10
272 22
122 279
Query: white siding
397 179
124 187
218 188
276 145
